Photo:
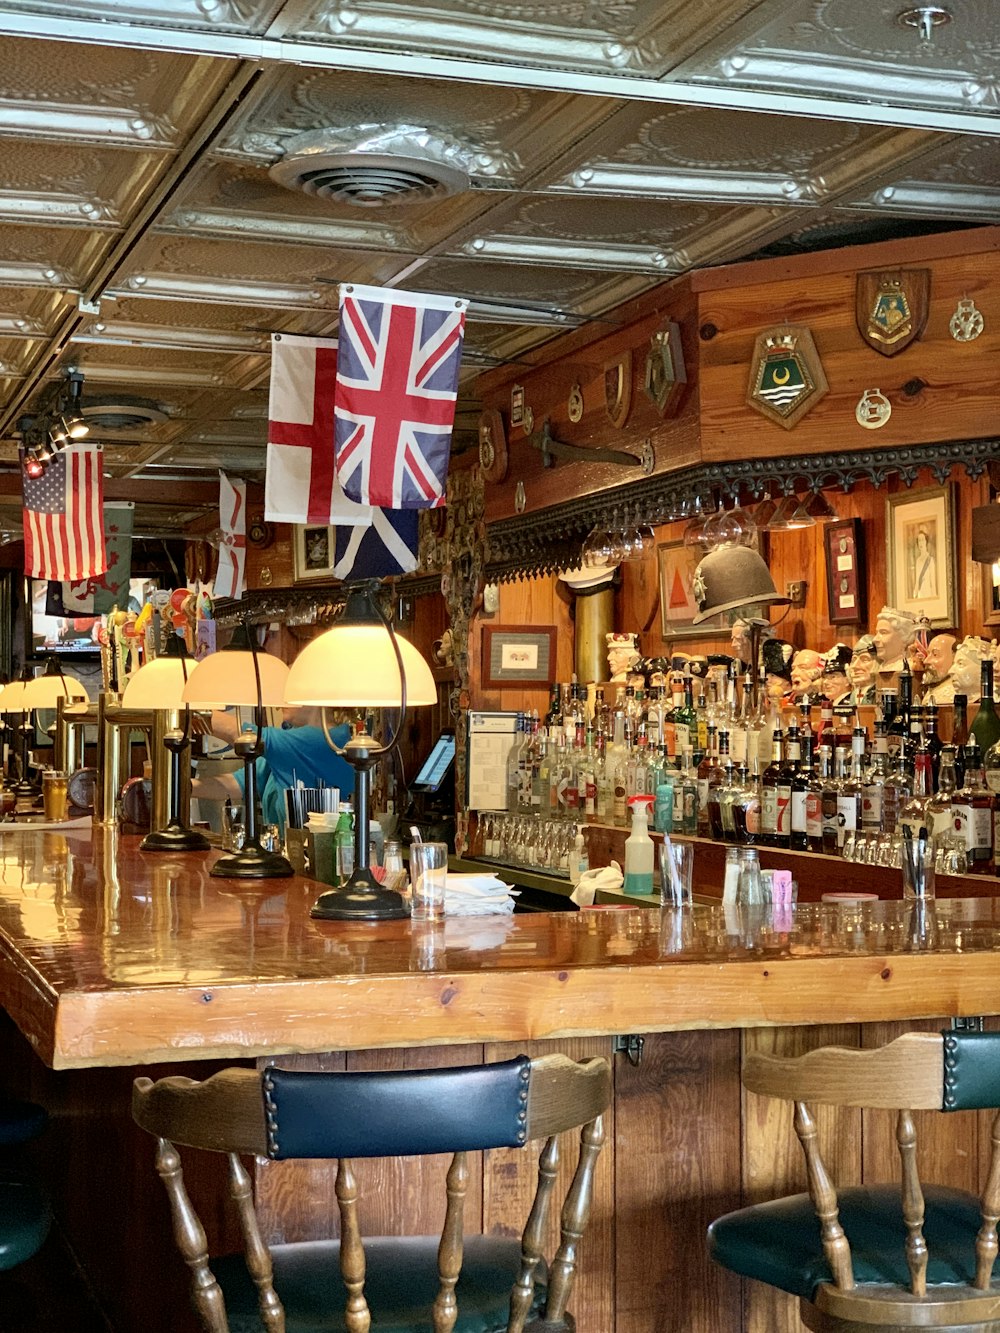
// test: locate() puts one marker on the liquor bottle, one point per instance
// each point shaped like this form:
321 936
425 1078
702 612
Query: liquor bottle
569 789
799 840
688 789
553 718
874 787
827 735
603 780
973 814
915 739
814 802
586 778
914 814
783 814
960 735
933 742
545 786
685 719
939 816
540 773
602 712
513 765
828 799
898 730
849 795
986 724
896 791
701 711
746 807
717 778
705 770
769 791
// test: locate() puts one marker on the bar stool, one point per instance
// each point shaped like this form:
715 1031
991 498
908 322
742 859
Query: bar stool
878 1256
476 1284
24 1210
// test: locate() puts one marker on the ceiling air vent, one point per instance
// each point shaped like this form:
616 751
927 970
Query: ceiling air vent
120 412
371 166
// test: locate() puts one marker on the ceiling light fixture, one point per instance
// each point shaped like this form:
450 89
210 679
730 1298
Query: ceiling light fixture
925 18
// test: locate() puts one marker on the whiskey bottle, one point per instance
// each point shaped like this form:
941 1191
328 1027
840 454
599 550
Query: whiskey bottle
800 787
874 789
849 795
769 791
814 802
829 798
973 813
939 813
960 735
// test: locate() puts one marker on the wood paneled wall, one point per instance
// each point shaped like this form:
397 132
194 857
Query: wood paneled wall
940 389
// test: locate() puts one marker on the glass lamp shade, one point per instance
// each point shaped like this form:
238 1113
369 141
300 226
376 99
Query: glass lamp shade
228 677
159 684
355 666
46 691
12 697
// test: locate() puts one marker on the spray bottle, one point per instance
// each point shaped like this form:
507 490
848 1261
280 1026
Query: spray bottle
639 848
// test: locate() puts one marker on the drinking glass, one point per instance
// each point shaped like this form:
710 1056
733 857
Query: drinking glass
676 869
429 871
233 828
918 868
54 794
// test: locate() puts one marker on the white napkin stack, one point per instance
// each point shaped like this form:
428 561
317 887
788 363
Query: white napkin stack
477 895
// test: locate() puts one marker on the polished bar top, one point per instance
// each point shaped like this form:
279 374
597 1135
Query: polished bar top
112 956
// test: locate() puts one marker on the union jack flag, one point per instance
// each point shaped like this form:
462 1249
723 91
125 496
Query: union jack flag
397 381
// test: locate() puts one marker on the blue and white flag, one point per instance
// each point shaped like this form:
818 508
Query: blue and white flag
387 548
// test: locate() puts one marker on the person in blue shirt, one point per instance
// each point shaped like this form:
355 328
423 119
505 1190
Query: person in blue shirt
294 752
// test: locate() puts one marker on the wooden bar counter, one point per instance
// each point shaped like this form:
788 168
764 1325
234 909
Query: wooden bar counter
112 961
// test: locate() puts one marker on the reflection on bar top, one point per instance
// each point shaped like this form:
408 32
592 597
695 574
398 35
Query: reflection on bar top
95 913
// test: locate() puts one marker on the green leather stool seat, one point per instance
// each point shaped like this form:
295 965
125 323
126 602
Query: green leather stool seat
400 1285
24 1219
20 1122
779 1242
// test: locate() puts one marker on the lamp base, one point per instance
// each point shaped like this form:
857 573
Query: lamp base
174 838
252 862
362 898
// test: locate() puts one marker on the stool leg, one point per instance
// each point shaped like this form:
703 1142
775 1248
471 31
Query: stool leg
190 1237
576 1211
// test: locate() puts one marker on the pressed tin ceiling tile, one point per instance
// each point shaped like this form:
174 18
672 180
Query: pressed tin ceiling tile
584 184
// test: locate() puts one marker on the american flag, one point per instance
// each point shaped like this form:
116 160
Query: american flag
63 511
397 381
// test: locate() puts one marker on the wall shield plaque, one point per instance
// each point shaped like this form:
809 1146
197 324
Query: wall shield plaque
492 445
786 376
618 388
665 376
891 308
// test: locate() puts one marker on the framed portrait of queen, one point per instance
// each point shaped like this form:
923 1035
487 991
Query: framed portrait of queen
920 554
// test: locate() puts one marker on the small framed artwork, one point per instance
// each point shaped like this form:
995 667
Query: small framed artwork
846 587
314 552
518 655
676 564
920 554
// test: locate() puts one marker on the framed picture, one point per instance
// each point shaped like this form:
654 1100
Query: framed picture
313 547
518 655
676 564
920 554
846 587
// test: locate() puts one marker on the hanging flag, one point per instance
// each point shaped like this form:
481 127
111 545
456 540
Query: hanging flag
397 381
387 548
231 573
63 508
300 485
97 595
